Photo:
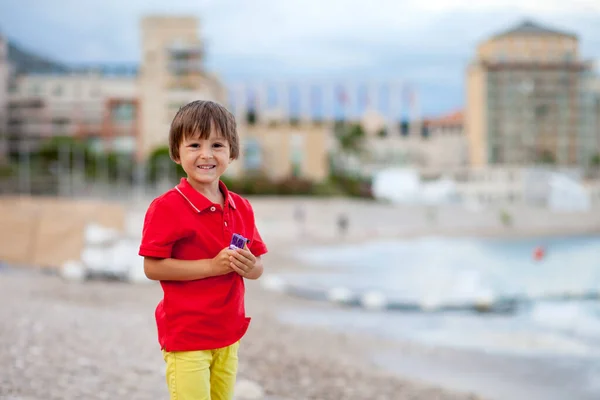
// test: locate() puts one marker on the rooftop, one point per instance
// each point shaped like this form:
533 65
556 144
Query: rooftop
452 119
529 27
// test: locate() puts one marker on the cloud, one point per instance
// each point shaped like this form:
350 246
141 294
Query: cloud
425 42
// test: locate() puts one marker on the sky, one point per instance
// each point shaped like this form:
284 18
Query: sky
426 44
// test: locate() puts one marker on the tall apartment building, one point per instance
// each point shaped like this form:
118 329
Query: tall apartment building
97 104
529 100
171 74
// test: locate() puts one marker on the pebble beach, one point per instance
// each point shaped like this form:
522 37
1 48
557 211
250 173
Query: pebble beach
97 340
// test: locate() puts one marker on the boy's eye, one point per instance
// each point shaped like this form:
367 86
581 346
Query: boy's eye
218 144
194 145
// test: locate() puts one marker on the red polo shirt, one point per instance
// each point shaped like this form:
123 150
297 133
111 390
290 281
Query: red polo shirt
183 224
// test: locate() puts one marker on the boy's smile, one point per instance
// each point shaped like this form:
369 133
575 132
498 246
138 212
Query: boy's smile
204 161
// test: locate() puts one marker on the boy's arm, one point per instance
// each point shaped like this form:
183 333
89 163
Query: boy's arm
170 269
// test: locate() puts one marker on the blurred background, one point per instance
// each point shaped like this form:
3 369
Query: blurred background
425 174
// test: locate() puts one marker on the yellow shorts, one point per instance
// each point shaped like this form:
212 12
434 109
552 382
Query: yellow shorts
202 375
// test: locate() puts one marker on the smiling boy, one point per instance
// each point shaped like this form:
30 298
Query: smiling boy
185 245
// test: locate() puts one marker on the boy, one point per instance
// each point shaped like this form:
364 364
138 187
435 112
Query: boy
185 245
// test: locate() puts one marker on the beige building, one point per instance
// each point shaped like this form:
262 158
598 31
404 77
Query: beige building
445 145
528 100
285 150
171 75
434 144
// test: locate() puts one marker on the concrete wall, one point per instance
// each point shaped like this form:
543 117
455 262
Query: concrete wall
46 232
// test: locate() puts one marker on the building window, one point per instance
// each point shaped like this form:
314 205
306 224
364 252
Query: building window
35 89
59 126
123 112
124 144
252 155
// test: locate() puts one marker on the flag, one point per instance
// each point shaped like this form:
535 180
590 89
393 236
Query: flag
342 95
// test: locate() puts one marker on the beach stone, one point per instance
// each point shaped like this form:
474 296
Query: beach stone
248 390
97 340
73 271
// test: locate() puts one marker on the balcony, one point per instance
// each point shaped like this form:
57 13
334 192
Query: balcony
182 49
186 66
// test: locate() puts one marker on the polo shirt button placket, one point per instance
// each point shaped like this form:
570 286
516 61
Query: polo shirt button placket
212 208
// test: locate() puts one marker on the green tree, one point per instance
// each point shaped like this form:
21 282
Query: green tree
350 137
546 157
159 161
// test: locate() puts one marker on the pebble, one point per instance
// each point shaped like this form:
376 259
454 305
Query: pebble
97 340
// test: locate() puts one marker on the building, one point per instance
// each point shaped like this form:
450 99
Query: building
529 100
432 144
96 104
171 75
4 73
128 109
445 141
596 115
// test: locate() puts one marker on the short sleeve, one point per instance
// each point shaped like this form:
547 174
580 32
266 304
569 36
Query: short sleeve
160 231
257 246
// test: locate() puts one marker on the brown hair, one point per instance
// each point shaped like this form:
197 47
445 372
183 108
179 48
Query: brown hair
197 119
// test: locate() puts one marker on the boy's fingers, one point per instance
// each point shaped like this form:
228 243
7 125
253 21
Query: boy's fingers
238 270
240 264
242 256
248 254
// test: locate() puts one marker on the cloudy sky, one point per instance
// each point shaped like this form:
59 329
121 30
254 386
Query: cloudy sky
425 43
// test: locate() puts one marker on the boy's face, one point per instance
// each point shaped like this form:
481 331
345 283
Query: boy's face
204 160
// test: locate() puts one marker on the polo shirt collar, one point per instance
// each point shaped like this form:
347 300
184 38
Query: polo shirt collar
198 201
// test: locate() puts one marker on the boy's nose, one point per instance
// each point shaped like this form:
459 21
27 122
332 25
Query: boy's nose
206 153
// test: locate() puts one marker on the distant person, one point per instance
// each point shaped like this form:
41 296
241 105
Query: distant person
342 223
186 234
299 217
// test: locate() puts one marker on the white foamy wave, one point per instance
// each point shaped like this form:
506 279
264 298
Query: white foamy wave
573 317
464 269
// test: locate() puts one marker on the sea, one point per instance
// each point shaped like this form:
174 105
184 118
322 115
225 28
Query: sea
528 310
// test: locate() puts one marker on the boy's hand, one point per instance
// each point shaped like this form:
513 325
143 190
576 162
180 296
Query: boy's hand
221 262
242 261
